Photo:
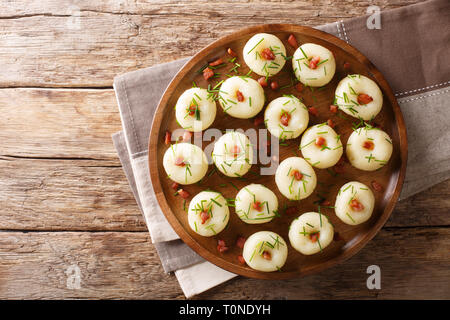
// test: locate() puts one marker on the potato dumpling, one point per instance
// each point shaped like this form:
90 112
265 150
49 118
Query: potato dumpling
256 204
295 178
265 251
354 203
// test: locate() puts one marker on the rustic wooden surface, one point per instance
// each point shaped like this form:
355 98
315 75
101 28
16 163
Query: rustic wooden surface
63 195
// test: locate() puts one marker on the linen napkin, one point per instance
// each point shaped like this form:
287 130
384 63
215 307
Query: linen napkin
411 49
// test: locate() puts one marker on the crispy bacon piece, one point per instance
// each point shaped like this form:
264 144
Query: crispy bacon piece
356 205
330 123
258 120
284 119
221 246
216 62
235 150
240 242
291 210
376 186
241 259
175 185
268 54
168 137
183 193
266 255
346 65
339 167
313 111
204 216
292 41
314 236
231 52
369 145
207 73
297 175
274 85
325 203
257 206
239 96
313 62
364 98
179 161
299 87
263 82
320 141
333 108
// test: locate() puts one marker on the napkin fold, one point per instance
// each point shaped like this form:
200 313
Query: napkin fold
410 49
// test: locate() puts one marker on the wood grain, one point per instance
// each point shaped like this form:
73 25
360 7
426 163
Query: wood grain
125 266
54 43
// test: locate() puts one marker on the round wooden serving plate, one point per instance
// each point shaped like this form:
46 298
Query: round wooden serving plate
351 238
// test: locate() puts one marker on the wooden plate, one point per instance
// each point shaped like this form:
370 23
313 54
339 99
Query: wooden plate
352 238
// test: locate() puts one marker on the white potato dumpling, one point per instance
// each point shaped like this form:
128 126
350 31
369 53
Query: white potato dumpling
185 163
313 65
256 204
321 146
208 213
359 97
265 251
256 58
369 148
286 117
354 203
295 178
310 233
195 110
233 154
241 97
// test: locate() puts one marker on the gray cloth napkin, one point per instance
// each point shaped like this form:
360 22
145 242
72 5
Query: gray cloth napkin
412 51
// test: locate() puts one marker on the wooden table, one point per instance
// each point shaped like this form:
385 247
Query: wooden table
65 202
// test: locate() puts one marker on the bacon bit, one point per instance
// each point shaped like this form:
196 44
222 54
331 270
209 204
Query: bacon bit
284 119
240 242
376 186
337 237
364 98
369 145
221 247
258 120
346 65
325 203
175 185
192 109
235 150
267 54
187 135
291 210
207 73
299 87
313 111
356 205
297 175
330 123
239 96
241 259
313 63
231 52
204 216
333 108
320 141
216 62
339 167
266 255
257 206
168 137
263 82
179 162
184 194
292 41
314 236
274 85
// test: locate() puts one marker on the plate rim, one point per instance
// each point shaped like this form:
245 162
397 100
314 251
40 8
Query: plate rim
216 259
